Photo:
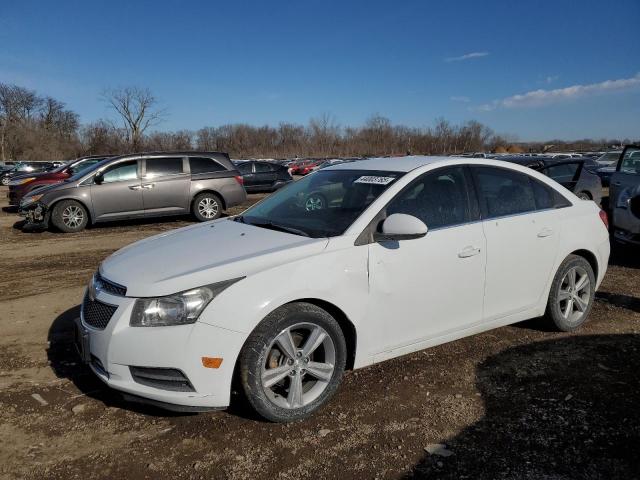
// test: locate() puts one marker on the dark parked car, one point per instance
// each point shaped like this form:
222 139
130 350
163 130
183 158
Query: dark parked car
263 176
22 168
20 185
624 197
573 174
138 185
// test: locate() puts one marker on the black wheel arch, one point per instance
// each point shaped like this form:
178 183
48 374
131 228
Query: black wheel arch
589 257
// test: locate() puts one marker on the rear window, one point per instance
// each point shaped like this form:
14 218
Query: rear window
204 165
158 167
263 168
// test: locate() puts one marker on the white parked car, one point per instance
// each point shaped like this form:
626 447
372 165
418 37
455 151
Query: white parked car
352 265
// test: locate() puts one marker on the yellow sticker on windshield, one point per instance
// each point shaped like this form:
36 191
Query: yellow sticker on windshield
375 180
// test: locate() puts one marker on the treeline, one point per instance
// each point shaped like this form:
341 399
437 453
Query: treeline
34 127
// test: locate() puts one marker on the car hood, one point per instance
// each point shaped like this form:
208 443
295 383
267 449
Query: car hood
203 254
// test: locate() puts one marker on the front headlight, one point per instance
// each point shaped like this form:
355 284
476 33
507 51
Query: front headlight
22 181
623 199
31 199
178 309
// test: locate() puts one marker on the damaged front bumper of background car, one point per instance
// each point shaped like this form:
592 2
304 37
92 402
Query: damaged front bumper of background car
35 213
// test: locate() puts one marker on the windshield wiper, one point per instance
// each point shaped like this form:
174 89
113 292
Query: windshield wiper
277 226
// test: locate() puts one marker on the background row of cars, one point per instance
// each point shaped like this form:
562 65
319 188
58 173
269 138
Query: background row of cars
585 174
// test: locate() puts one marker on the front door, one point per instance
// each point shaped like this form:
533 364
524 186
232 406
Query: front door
119 194
165 186
265 175
424 288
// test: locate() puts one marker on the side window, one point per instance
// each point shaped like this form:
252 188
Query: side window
121 171
546 197
263 168
204 165
160 167
244 168
562 173
504 192
631 161
439 199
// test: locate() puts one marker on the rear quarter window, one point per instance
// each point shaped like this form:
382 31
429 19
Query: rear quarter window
204 165
504 192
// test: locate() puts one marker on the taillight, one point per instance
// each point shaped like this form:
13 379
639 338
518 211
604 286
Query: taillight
604 218
239 179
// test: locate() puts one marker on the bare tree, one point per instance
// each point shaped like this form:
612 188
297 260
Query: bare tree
138 110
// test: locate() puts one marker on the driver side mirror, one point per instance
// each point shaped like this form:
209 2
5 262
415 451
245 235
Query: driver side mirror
98 178
401 226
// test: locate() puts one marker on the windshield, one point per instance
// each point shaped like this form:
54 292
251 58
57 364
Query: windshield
84 171
323 204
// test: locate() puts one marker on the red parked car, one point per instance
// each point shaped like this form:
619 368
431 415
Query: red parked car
20 186
304 168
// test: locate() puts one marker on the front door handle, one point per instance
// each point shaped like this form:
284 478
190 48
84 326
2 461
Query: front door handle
545 232
617 184
469 252
148 185
135 187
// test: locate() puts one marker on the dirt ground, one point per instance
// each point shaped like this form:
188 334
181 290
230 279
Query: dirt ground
520 402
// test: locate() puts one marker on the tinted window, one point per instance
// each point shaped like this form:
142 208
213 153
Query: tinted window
631 161
244 168
204 165
158 167
121 171
504 192
83 165
439 199
263 168
562 173
546 197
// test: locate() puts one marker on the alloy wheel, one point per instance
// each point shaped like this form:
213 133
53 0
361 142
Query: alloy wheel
574 294
208 207
299 365
72 216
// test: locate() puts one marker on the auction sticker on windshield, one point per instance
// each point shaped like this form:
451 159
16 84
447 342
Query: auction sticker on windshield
375 180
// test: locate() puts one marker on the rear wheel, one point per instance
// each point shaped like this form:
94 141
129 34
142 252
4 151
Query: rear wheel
572 293
293 362
5 181
69 216
584 196
207 206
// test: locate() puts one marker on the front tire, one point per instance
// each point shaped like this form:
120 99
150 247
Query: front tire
584 196
207 206
293 362
572 294
69 216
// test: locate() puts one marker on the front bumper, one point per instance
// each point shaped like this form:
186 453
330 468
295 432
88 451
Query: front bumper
110 352
36 213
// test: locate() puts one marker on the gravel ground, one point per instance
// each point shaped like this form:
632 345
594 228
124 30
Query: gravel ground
519 402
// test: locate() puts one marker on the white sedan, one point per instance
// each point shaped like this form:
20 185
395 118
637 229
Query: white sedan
352 265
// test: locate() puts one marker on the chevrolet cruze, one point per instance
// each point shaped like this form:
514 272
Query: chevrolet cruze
352 265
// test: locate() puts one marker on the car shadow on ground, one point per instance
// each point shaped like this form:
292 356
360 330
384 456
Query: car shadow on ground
624 255
65 363
558 409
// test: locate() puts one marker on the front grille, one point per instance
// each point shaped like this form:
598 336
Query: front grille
97 314
109 286
163 378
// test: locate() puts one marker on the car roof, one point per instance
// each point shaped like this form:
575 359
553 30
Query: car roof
392 164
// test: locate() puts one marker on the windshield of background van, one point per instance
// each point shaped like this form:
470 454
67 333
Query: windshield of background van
323 204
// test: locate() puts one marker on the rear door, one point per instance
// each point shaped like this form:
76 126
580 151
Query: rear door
265 174
522 239
165 186
119 195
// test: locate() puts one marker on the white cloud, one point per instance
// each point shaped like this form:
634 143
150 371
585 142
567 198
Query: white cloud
460 99
542 97
466 56
551 78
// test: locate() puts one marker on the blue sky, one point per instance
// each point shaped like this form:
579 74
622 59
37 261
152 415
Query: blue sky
212 63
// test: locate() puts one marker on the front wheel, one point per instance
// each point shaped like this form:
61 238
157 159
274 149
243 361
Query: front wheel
5 181
293 362
69 216
207 206
584 196
572 294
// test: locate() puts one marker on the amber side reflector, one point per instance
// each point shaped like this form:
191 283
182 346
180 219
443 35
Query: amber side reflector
211 362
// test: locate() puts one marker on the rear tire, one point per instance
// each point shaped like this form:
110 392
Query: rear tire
584 196
69 216
572 293
293 362
207 206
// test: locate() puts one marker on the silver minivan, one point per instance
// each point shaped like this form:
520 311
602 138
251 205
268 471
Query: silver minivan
139 185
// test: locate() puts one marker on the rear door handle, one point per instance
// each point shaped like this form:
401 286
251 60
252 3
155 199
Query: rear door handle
148 185
545 232
469 252
617 184
135 187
